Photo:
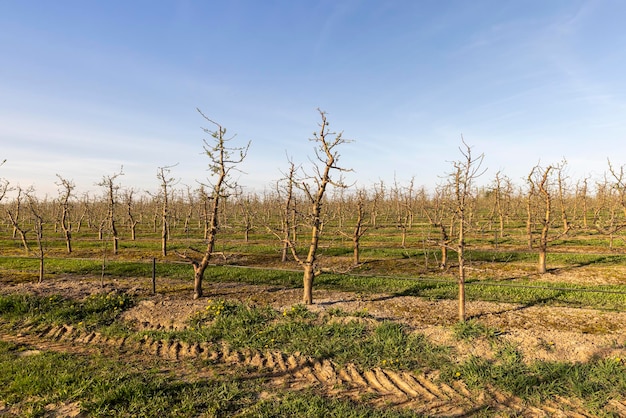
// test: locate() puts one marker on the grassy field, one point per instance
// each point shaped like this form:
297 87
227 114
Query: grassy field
100 382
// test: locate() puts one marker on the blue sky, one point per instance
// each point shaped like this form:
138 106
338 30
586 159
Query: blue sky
87 87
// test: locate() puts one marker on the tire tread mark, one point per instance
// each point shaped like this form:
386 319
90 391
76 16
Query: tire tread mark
618 406
401 383
389 385
435 399
370 378
292 363
431 387
453 394
355 376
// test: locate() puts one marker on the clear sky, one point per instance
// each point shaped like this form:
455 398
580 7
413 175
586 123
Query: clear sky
89 86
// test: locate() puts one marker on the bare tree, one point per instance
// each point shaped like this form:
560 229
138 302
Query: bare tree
538 179
501 191
359 229
539 207
288 212
610 212
461 179
562 189
441 216
606 214
191 201
314 186
66 188
246 205
112 189
223 160
408 201
14 213
167 182
130 217
619 184
36 210
403 199
377 200
582 198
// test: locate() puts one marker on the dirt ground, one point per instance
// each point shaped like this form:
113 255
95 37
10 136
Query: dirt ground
540 332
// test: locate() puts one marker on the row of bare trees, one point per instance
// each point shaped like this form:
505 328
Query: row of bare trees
495 210
317 201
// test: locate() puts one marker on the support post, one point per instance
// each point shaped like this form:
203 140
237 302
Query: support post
154 276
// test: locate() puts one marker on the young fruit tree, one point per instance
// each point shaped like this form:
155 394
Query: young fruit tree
111 187
66 188
610 211
130 217
223 160
15 215
359 228
314 186
501 191
461 180
37 210
539 210
167 183
619 184
288 213
441 216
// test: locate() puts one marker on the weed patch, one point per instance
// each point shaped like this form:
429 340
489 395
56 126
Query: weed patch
94 311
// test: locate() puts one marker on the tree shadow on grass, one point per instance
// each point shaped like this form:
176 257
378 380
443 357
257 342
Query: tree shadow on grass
429 290
535 302
449 291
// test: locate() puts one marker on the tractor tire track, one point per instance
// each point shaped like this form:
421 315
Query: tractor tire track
388 387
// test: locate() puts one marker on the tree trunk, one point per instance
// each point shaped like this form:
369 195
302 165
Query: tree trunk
541 268
164 234
66 231
68 241
41 265
283 256
309 265
309 274
462 313
24 242
115 237
198 275
461 256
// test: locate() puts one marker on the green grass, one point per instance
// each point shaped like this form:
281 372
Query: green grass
95 311
524 291
297 330
105 387
311 405
472 329
594 382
